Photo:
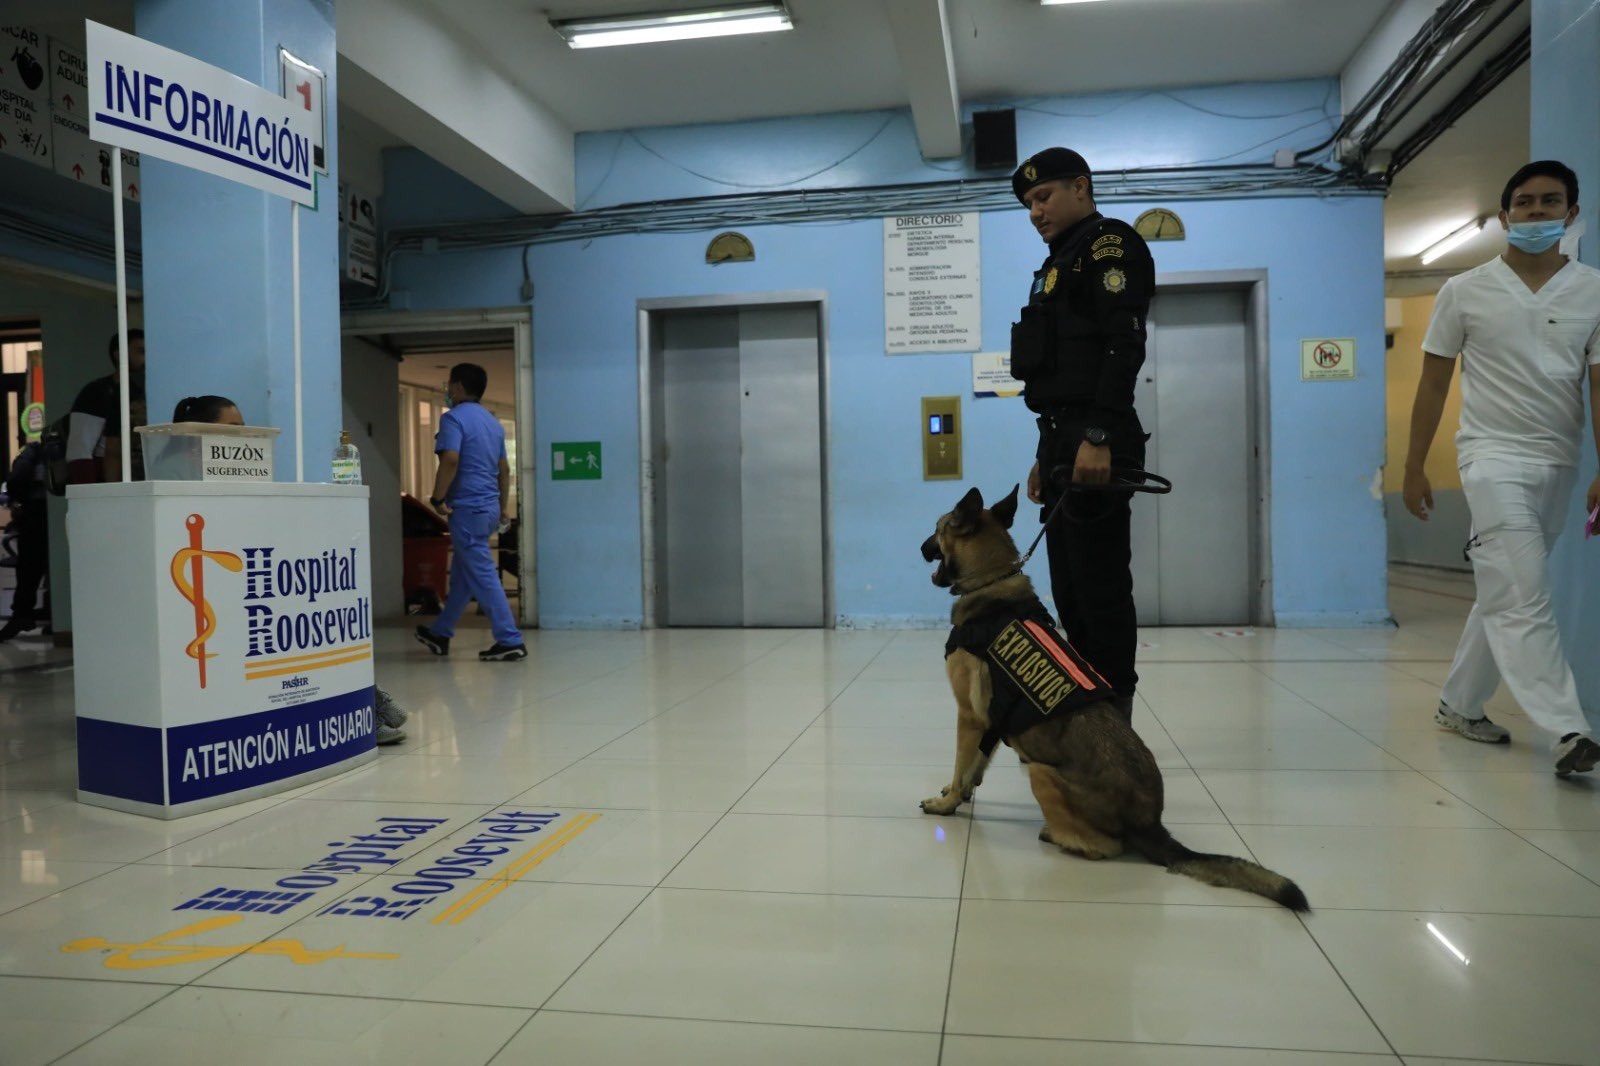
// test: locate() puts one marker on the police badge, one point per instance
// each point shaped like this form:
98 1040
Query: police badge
1050 280
1114 280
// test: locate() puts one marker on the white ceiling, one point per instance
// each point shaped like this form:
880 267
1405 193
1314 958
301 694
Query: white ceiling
841 55
1457 179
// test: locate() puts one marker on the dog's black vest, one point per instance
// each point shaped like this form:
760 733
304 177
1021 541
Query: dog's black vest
1033 671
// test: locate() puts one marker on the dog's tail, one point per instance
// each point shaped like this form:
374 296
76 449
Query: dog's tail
1224 871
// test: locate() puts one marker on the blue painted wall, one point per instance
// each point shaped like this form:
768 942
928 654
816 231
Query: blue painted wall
218 280
1566 126
1323 256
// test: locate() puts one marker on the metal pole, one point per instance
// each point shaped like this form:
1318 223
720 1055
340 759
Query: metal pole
122 315
299 413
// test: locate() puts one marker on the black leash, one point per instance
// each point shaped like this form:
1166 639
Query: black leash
1123 479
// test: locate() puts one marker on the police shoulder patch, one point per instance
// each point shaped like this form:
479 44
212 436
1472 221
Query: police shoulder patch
1109 238
1114 280
1110 251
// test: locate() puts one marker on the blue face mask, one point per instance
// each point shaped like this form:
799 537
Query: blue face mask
1536 237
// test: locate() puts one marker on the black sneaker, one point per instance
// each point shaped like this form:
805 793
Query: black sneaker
1576 754
15 626
503 653
437 645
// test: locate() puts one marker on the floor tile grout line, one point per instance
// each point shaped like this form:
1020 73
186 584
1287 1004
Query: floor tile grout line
649 892
115 867
501 1050
174 990
1545 851
1345 981
1225 902
511 799
955 939
1301 919
190 983
667 710
1394 1056
736 1021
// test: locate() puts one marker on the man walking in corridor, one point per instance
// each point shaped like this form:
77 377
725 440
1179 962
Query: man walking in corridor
1525 325
472 489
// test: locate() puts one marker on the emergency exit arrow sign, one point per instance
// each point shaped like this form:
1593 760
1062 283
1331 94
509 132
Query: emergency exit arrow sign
77 171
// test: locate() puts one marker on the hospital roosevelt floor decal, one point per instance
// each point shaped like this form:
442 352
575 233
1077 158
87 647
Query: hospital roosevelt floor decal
362 876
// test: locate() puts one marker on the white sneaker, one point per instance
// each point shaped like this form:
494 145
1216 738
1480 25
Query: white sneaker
389 712
1576 753
1479 729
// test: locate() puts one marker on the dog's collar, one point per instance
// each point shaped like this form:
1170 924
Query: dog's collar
957 590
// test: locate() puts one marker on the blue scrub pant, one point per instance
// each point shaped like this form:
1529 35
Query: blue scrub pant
474 576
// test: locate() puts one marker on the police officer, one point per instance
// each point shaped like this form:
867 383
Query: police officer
1078 348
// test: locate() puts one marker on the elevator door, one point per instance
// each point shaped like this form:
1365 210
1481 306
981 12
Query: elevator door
739 529
1194 549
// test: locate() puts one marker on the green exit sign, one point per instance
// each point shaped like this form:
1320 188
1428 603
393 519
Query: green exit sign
575 461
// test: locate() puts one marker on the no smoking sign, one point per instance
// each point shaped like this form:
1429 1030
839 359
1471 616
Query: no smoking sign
1328 359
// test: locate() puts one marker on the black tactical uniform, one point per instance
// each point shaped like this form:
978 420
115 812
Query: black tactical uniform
1078 349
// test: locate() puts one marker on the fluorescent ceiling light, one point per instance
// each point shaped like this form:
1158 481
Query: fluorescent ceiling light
727 21
1455 240
1052 3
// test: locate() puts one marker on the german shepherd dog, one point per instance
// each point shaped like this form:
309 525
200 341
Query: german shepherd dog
1096 782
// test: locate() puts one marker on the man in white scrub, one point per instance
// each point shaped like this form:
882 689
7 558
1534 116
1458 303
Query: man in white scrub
1524 325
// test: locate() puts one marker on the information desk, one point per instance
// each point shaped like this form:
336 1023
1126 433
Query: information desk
222 637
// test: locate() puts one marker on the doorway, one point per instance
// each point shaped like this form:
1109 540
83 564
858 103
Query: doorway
733 442
422 347
1199 553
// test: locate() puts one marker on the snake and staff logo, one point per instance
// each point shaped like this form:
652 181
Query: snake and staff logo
193 588
298 613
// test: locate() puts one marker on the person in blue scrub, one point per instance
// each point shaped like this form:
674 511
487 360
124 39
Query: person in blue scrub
472 490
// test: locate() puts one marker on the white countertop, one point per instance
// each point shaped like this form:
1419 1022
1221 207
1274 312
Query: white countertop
215 489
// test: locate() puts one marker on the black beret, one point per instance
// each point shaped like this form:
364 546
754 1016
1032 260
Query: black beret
1048 165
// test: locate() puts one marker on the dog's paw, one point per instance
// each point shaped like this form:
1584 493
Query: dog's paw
943 803
1044 835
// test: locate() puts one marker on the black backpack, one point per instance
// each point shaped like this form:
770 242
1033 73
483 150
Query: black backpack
53 455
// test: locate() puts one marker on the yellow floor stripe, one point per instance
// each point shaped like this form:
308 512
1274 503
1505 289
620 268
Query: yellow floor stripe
516 871
308 667
264 663
518 868
537 853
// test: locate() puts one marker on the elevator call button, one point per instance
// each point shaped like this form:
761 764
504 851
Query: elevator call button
941 438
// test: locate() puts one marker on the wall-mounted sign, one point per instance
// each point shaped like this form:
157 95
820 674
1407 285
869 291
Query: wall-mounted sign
730 247
359 216
304 86
1328 359
931 295
174 107
575 461
991 375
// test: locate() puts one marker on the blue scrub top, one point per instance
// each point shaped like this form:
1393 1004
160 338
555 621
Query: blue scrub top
478 437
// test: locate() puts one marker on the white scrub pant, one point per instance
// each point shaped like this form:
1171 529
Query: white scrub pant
1518 511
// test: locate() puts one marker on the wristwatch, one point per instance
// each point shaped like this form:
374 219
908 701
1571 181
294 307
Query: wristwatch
435 502
1096 436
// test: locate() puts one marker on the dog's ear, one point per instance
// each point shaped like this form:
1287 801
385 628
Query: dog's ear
967 511
1005 512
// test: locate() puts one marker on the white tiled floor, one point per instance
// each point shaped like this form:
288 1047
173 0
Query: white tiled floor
739 872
